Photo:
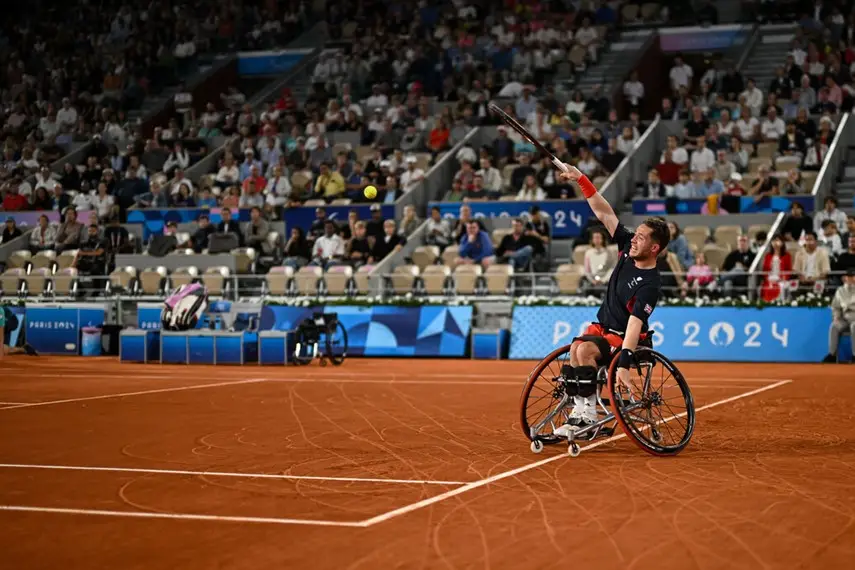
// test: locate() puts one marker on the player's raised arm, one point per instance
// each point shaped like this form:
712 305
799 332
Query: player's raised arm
602 209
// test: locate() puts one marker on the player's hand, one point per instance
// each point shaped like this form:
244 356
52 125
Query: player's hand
570 173
623 377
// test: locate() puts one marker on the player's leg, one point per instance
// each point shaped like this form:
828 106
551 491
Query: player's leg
584 356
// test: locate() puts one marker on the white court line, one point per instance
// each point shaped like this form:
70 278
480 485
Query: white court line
513 472
13 403
179 516
138 393
228 474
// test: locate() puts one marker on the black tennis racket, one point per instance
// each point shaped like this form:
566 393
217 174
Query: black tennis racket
515 125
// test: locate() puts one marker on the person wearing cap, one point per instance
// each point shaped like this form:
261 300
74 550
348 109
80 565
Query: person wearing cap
412 175
249 162
374 226
843 315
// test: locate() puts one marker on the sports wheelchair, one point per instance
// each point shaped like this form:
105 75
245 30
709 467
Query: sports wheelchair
656 411
321 328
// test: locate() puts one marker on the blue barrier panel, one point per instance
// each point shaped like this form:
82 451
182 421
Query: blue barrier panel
304 216
200 349
153 221
14 334
269 62
173 348
769 205
56 329
717 334
568 216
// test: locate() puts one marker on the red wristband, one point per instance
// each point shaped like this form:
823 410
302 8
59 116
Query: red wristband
588 188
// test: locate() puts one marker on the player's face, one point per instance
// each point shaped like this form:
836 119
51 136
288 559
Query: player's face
642 245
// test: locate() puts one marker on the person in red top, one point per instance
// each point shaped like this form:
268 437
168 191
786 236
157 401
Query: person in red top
286 102
255 177
734 186
438 139
12 201
777 267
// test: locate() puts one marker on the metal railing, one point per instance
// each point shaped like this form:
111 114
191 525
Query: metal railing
825 180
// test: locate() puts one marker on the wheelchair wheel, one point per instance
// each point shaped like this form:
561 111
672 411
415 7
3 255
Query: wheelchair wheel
657 411
304 348
336 343
544 402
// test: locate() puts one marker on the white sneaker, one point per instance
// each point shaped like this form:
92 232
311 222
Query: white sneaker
584 413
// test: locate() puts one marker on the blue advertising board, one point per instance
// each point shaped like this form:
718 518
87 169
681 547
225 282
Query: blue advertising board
304 216
55 329
269 62
774 334
768 205
153 221
30 219
13 334
695 38
430 330
568 216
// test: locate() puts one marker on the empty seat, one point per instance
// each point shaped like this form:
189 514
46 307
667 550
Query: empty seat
337 278
244 260
434 278
498 279
727 236
579 254
122 278
466 278
755 229
425 255
279 280
341 202
215 280
508 198
38 281
65 282
66 259
361 279
153 280
46 258
314 202
754 164
567 278
765 151
274 240
183 276
499 234
450 255
10 281
697 235
715 255
307 279
20 258
403 278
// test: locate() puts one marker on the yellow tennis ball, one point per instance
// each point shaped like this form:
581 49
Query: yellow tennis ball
370 192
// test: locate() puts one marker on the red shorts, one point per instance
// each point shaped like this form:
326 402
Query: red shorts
595 329
613 342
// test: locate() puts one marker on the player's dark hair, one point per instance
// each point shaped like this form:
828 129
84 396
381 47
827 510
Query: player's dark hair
659 232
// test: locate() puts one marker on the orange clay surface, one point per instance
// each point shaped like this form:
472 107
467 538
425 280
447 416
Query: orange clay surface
409 464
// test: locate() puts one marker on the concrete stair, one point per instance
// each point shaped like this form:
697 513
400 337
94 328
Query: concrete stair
614 63
768 53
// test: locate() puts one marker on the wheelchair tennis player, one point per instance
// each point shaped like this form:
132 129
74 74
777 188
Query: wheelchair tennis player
622 320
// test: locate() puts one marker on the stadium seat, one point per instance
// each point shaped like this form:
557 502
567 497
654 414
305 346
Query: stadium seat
182 237
766 151
434 278
498 279
579 254
341 147
697 235
279 280
786 163
577 55
629 12
300 181
65 282
425 255
274 240
66 259
361 279
808 180
153 280
499 234
612 248
650 11
567 278
222 243
183 276
315 202
450 254
216 280
341 202
715 255
244 260
466 278
46 258
337 279
20 258
506 176
727 236
364 154
403 278
122 279
756 229
754 164
307 279
10 281
38 281
675 267
508 198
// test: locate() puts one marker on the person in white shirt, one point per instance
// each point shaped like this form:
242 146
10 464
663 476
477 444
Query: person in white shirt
586 36
45 179
703 158
348 105
329 248
626 142
178 158
67 115
679 155
829 212
753 98
376 122
530 191
681 75
102 202
747 125
377 99
725 125
491 176
633 90
412 175
278 187
799 55
81 201
229 174
772 128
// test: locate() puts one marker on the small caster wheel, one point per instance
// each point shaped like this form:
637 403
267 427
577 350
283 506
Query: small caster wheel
323 361
574 450
536 446
655 435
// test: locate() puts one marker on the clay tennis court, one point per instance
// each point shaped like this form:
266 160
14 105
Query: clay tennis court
409 464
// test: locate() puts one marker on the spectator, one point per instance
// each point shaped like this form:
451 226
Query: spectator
439 136
358 249
10 231
330 184
850 228
437 232
627 141
681 75
695 127
516 247
812 264
475 246
412 176
633 90
70 232
155 198
530 191
843 315
831 212
390 242
200 237
765 185
229 226
538 228
797 223
179 158
13 201
653 188
772 128
410 223
724 168
599 263
736 265
846 260
793 183
297 251
91 258
256 232
674 152
753 97
830 240
60 199
679 246
699 276
738 155
102 202
777 267
43 237
702 158
587 163
329 248
374 226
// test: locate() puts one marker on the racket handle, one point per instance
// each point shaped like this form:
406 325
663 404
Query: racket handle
560 165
